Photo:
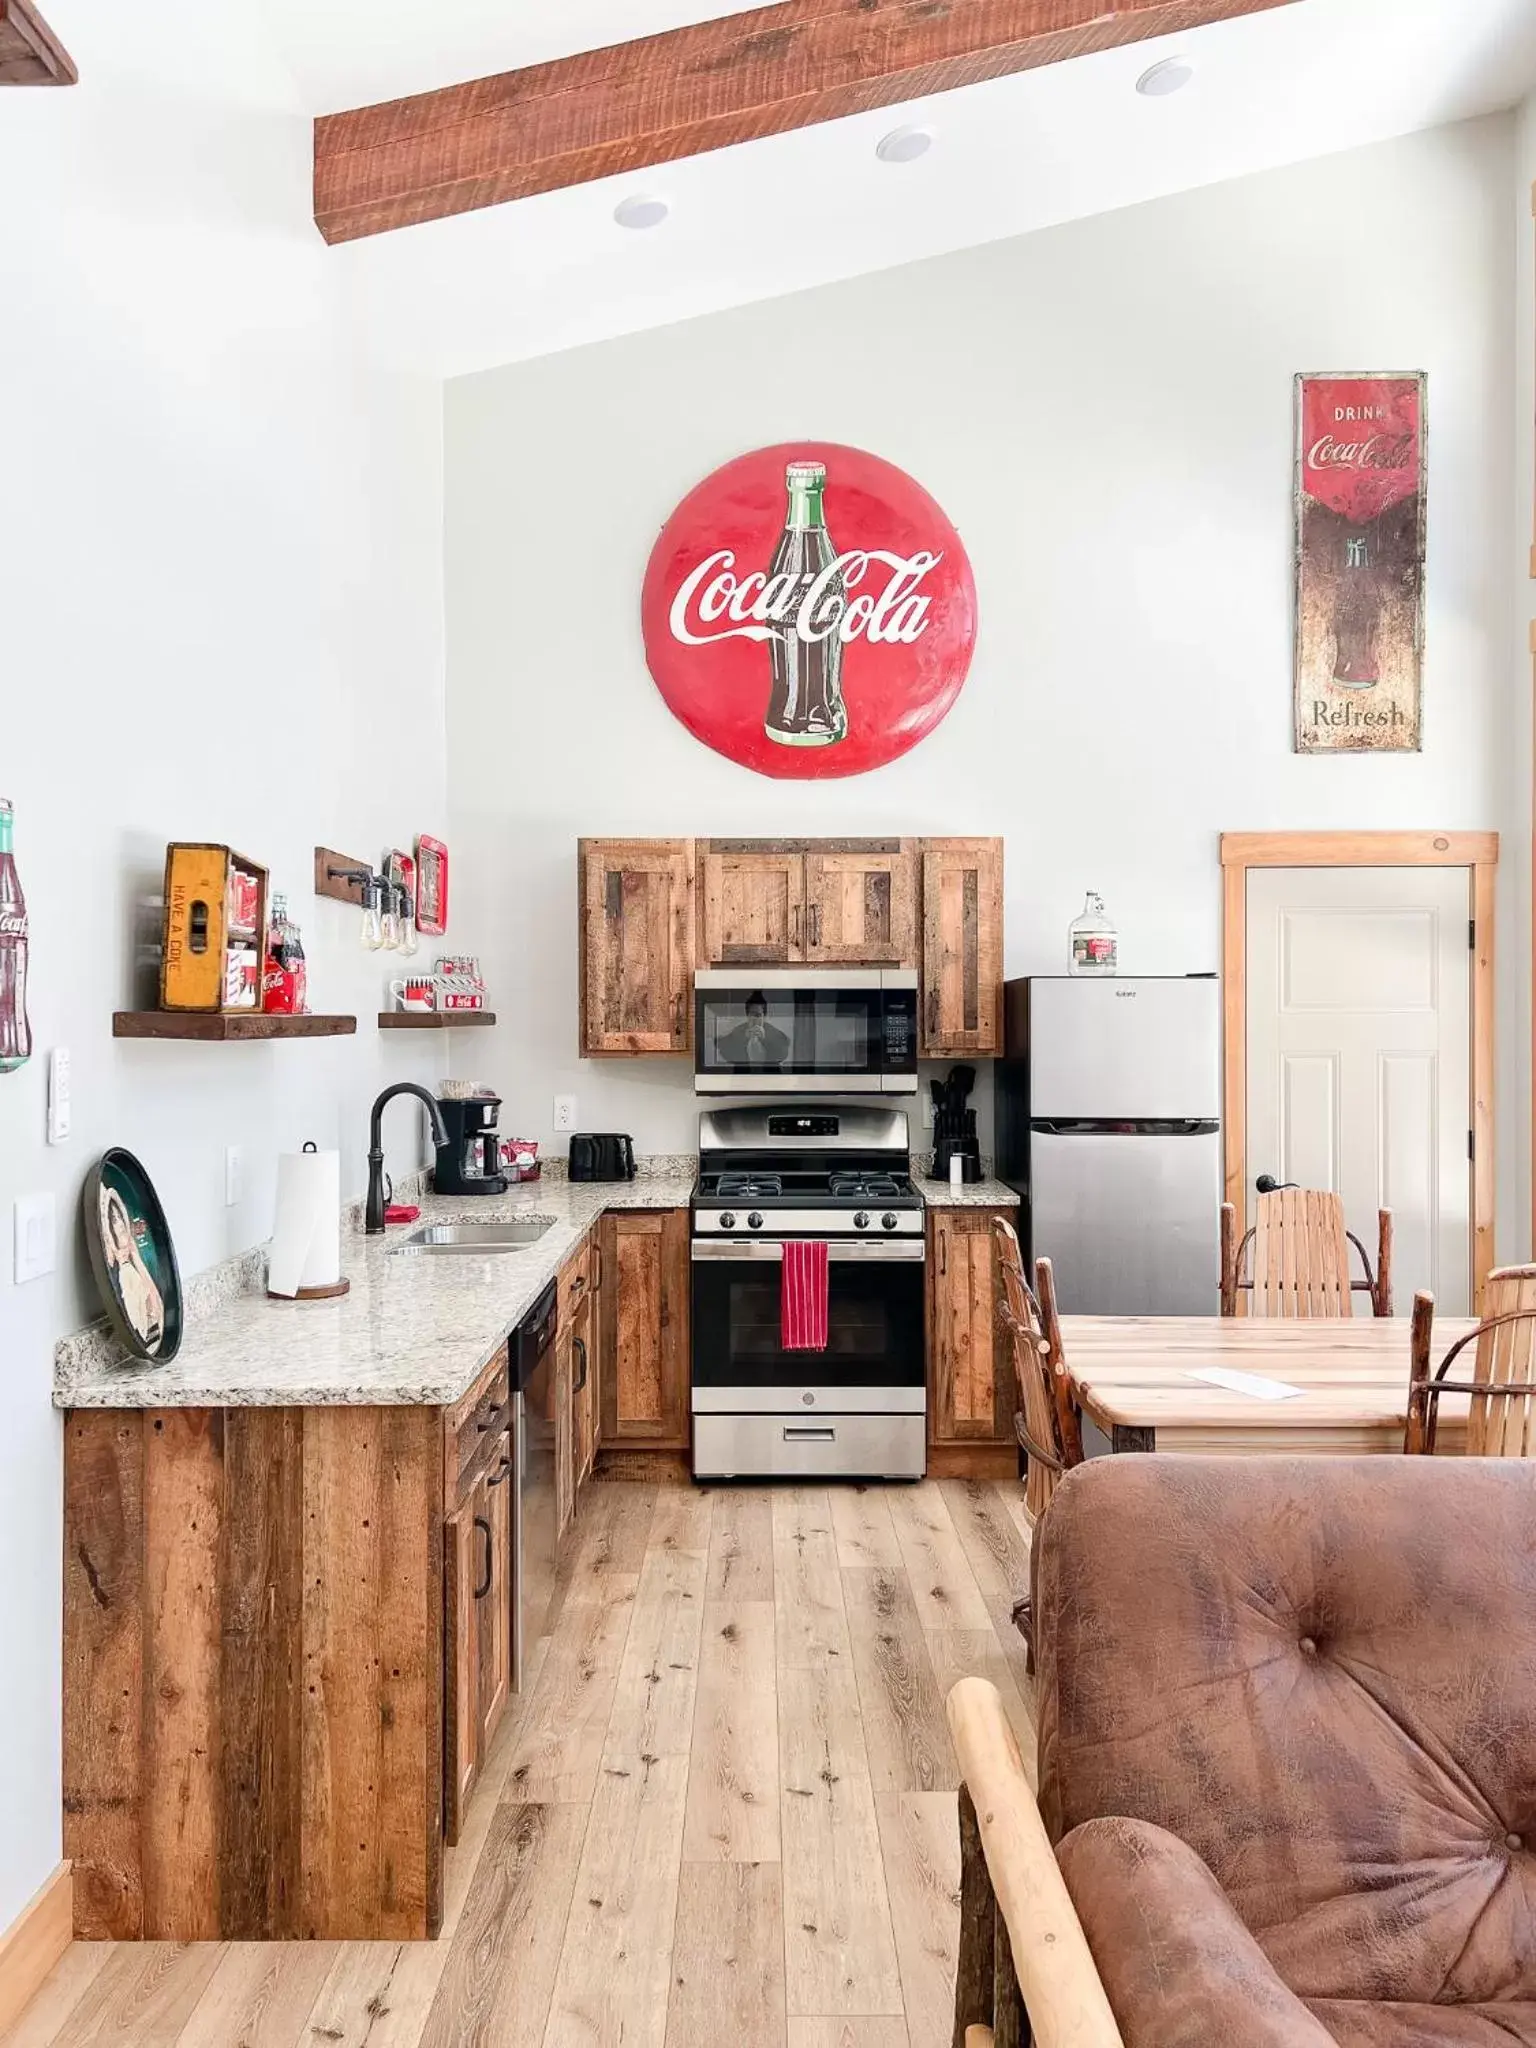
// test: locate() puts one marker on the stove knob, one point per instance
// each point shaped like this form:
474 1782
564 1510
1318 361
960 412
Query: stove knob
888 1220
754 1221
728 1219
861 1221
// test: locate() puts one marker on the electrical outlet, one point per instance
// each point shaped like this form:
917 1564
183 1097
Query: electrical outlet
234 1175
58 1095
36 1238
565 1112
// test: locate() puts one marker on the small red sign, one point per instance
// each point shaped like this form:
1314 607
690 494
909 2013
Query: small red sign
809 611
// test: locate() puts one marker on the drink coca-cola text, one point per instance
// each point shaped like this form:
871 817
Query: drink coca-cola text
1377 451
760 606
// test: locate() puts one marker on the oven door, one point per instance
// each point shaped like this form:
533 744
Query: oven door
873 1363
794 1030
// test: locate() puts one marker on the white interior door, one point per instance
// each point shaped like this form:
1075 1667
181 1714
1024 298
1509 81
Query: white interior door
1359 1001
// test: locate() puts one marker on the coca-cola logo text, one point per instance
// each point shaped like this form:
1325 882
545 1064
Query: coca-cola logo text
12 927
815 608
1378 451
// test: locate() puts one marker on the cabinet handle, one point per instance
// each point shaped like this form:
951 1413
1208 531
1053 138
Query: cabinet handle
581 1347
794 927
815 924
943 1252
490 1554
597 1253
502 1473
677 1016
933 1013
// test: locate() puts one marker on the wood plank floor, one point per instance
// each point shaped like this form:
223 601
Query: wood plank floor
724 1810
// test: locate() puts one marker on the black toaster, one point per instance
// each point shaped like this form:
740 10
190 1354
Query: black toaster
602 1155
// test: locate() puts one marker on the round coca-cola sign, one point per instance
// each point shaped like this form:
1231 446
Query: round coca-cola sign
809 611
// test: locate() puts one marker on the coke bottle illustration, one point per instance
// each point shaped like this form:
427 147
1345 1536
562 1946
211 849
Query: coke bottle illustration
1357 617
15 1031
809 598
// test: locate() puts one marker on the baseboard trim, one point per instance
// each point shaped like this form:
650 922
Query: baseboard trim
34 1941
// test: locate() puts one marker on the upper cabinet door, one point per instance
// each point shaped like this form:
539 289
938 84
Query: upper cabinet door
859 907
636 945
754 906
962 965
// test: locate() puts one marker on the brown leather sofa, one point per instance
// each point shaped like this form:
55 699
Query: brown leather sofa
1287 1748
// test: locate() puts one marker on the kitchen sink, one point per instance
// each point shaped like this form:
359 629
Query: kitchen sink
475 1239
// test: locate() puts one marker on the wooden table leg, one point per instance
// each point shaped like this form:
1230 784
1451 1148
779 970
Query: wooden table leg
1123 1438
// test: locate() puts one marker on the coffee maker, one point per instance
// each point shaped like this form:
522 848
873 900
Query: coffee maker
470 1162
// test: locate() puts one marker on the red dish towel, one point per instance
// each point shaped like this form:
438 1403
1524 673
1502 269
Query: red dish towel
803 1297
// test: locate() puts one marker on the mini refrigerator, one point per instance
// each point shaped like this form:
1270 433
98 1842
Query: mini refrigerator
1108 1127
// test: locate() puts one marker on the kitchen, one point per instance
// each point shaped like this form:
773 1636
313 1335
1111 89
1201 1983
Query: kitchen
417 610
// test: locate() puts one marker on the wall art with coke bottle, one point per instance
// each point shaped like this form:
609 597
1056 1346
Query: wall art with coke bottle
1360 523
15 1031
809 611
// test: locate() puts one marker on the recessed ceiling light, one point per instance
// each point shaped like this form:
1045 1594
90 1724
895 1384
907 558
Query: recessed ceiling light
1172 75
904 145
642 211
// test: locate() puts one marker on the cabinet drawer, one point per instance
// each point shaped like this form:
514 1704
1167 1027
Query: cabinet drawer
575 1281
473 1428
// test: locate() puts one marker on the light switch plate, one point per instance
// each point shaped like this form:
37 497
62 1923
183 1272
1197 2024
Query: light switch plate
36 1237
234 1175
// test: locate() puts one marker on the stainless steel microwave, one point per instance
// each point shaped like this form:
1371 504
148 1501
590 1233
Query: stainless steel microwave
804 1030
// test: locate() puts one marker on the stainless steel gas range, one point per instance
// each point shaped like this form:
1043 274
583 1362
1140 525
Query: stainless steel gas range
858 1409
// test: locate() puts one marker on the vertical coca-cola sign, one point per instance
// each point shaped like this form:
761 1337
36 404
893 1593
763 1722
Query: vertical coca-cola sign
1360 505
15 1031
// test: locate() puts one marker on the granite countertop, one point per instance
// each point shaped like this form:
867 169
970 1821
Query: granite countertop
976 1194
413 1331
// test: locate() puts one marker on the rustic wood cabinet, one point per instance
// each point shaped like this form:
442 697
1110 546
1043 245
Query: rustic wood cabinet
753 906
477 1566
961 998
637 946
860 905
971 1393
643 1381
933 904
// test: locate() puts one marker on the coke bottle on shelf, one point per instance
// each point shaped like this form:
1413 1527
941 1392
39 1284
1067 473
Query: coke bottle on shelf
285 978
15 1031
805 707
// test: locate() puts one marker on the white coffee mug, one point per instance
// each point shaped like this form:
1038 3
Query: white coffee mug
412 993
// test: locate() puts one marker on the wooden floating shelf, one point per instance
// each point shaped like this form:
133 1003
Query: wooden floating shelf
433 1020
221 1026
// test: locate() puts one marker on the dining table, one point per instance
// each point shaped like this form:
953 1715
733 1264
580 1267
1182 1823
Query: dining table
1335 1385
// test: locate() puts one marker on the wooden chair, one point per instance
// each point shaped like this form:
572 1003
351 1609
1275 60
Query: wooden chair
1501 1420
1045 1421
1300 1258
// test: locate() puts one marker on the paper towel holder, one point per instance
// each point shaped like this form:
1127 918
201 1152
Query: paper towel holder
332 1290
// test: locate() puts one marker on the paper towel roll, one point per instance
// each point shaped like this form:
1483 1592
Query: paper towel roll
306 1243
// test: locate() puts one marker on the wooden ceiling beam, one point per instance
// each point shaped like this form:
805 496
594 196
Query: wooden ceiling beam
30 52
694 89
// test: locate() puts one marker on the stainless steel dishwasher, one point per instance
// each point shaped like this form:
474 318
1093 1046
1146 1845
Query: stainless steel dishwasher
534 1534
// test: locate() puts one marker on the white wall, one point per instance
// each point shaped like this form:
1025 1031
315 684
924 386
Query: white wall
1105 411
220 591
1518 765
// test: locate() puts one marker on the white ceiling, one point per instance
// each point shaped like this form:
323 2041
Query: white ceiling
797 210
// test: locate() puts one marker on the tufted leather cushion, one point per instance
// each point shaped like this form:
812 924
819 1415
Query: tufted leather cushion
1320 1674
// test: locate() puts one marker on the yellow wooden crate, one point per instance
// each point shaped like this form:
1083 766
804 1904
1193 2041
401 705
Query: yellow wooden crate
201 934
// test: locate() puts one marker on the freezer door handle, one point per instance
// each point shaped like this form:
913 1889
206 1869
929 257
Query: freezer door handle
1124 1127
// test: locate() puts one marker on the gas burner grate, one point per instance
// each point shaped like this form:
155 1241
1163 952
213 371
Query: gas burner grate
872 1187
746 1187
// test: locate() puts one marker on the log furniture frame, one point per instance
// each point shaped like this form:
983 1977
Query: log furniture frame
1502 1418
1024 1971
1324 1287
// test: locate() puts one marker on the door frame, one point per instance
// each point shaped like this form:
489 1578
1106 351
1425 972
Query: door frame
1479 851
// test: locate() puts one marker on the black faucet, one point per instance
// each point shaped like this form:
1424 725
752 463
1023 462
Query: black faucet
373 1214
